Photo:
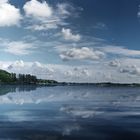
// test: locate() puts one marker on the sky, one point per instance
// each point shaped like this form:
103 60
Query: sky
71 40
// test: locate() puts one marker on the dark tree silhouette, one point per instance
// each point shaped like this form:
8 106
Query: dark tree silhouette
12 78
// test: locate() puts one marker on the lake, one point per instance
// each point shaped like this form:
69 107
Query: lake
69 113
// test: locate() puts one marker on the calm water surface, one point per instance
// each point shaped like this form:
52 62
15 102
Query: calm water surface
69 113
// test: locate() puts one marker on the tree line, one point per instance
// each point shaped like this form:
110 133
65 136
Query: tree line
6 77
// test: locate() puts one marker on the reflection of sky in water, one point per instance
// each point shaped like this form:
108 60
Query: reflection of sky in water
72 93
74 111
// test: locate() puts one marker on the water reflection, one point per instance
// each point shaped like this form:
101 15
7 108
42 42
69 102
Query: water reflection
69 112
88 95
4 89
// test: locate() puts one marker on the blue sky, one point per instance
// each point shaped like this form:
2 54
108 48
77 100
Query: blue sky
75 38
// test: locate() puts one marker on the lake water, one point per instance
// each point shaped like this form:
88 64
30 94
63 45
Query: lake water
69 113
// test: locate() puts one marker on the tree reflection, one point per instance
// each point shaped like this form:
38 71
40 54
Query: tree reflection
4 89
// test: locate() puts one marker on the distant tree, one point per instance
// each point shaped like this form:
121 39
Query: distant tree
6 77
13 76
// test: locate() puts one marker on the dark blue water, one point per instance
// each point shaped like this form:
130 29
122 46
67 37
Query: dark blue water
69 113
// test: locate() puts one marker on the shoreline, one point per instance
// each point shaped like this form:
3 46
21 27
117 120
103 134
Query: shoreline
102 84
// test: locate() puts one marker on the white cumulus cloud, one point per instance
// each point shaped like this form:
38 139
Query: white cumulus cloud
68 35
130 69
81 54
37 9
114 63
126 66
9 14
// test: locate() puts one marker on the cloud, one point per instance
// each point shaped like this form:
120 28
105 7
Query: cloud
48 71
3 1
35 68
114 63
125 66
25 46
138 14
16 64
43 26
81 54
95 49
100 25
130 69
77 72
9 14
37 9
120 51
127 72
18 47
106 48
42 16
62 9
68 10
68 35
